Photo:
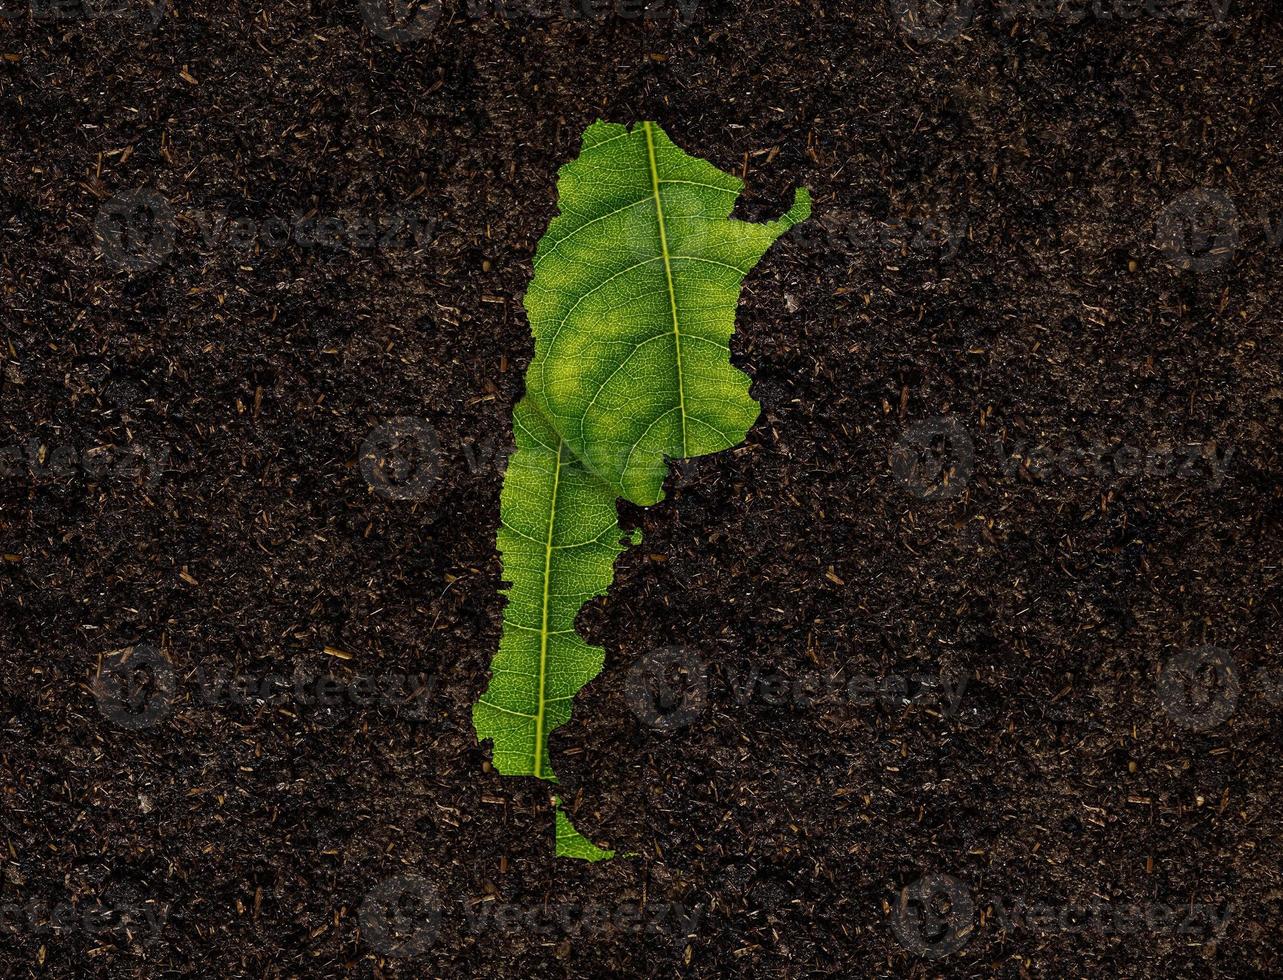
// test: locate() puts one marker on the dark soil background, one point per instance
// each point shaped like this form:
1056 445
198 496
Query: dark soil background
1021 419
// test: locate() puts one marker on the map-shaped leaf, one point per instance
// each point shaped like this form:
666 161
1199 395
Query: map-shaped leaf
632 306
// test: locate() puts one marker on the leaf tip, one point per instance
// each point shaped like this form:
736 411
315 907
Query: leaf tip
800 210
571 843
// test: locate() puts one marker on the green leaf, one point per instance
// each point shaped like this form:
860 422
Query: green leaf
571 843
632 306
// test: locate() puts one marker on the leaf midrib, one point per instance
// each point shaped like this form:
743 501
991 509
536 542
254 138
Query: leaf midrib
543 629
668 274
